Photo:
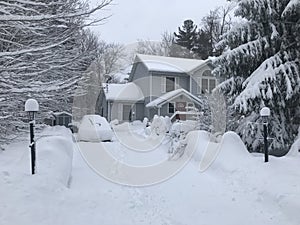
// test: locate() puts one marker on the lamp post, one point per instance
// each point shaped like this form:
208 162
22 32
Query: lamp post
265 114
31 107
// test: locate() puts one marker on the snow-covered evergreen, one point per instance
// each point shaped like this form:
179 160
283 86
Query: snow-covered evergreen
261 68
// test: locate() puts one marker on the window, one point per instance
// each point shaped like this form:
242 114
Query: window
169 84
190 106
207 73
206 85
171 107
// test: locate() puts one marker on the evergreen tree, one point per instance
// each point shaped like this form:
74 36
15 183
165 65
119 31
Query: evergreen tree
203 46
187 35
261 68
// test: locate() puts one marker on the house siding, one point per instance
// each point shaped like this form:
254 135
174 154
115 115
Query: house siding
157 79
195 76
142 78
139 111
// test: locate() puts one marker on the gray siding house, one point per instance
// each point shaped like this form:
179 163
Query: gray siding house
158 85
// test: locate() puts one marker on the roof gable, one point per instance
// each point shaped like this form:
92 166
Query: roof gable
171 95
170 64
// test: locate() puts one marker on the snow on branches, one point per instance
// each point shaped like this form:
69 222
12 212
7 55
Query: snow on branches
260 66
44 52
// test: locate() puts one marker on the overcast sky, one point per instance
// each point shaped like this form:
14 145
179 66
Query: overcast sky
148 19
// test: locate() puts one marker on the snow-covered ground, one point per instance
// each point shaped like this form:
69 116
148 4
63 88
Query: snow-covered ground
238 188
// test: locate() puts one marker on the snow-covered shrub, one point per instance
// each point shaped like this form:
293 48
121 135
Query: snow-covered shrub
158 125
114 122
136 123
168 123
145 122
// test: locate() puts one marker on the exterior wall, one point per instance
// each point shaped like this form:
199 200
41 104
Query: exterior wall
184 82
152 112
157 82
139 111
116 111
141 77
102 109
194 78
182 98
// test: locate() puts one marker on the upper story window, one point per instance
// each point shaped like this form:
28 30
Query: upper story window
206 83
207 73
169 84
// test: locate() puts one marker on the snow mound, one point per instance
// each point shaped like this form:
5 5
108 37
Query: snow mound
54 154
229 155
295 149
233 153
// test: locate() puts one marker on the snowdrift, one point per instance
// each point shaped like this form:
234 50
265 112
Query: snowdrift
229 154
54 154
295 148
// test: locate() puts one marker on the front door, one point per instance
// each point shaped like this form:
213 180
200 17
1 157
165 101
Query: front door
181 106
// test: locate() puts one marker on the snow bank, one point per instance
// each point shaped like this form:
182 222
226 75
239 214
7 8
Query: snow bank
54 154
233 153
294 151
228 155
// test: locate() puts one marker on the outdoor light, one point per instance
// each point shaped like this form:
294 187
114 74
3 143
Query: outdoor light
265 114
31 107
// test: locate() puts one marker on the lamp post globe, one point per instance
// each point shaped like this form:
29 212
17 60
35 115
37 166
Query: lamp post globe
265 114
31 107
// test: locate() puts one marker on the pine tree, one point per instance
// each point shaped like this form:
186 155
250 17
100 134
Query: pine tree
203 46
261 68
187 35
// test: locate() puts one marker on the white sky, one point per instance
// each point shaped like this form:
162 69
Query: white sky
148 19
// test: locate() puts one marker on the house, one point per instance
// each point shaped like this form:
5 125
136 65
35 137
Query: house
158 85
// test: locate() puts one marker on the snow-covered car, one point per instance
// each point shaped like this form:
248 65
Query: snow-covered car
94 128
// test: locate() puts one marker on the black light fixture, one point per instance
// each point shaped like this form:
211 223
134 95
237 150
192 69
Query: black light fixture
32 107
265 114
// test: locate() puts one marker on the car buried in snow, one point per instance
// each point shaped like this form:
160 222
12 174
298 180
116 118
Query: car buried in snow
94 128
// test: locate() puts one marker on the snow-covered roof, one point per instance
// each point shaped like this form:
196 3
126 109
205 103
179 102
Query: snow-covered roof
60 113
169 64
171 95
123 92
